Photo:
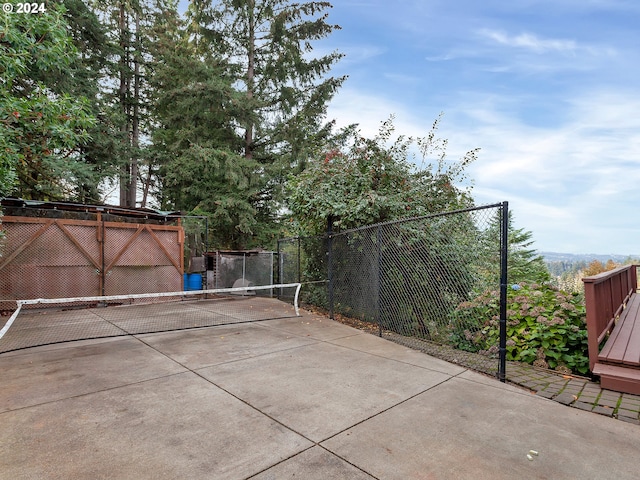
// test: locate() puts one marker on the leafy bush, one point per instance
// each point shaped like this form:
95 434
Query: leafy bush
545 327
364 181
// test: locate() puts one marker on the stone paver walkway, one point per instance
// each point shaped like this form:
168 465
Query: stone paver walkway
577 392
570 390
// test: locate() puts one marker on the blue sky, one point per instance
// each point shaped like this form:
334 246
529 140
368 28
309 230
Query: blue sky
548 90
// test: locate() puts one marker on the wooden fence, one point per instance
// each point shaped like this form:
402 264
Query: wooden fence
60 257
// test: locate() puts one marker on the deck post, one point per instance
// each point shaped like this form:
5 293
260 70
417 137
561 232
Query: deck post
591 307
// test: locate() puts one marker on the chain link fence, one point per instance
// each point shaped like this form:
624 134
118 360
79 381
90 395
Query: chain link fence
304 260
406 279
241 268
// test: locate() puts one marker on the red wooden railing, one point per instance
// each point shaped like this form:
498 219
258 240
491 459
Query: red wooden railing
606 295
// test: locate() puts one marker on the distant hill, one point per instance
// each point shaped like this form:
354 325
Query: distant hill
568 267
580 257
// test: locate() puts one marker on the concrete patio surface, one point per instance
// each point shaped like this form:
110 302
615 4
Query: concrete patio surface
301 397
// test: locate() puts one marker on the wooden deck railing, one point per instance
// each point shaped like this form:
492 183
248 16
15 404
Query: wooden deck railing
606 294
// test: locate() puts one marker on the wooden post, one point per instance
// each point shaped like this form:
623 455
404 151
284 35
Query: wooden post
592 321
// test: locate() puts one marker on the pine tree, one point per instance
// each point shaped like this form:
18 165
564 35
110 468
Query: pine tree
237 102
269 45
197 146
524 263
123 93
269 41
129 55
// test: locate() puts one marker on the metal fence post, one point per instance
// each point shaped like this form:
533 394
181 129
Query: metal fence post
279 268
100 235
378 281
299 263
504 252
206 234
330 262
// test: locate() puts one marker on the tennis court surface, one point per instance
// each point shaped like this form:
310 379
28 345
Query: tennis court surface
300 397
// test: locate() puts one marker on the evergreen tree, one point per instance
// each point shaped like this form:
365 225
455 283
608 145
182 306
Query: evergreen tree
200 168
269 42
269 45
524 263
123 92
86 78
237 102
129 63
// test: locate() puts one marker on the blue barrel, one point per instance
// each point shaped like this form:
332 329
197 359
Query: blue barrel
194 281
185 281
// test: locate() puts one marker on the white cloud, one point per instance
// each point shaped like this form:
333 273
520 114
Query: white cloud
569 183
547 90
445 57
400 78
360 53
533 53
369 111
529 41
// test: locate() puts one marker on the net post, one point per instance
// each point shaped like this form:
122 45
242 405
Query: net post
504 251
279 266
295 299
12 318
271 274
299 262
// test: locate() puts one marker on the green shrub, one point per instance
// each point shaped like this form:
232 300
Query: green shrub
545 327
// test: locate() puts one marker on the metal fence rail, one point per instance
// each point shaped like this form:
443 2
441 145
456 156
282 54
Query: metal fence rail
408 278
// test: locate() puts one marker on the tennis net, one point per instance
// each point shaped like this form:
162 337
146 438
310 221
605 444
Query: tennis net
44 321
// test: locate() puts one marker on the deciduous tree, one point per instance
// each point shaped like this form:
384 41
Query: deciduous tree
361 181
43 128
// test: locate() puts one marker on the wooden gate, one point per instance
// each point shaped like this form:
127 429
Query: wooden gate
61 258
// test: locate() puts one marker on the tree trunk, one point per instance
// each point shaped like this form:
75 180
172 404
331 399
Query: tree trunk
147 187
122 97
248 135
135 133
